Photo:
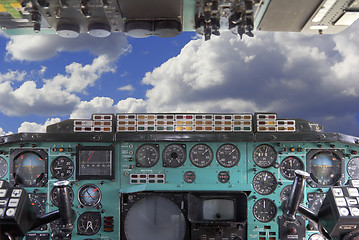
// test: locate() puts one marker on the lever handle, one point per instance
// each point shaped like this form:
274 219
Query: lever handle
67 214
295 195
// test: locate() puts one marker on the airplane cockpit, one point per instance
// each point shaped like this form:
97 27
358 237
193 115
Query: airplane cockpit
198 176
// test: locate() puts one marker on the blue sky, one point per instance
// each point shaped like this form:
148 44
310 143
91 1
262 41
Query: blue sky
45 79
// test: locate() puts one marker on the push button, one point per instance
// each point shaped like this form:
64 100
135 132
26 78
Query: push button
3 192
2 210
13 202
3 202
10 212
16 193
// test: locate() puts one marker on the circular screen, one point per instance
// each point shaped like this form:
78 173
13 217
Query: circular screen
155 218
325 166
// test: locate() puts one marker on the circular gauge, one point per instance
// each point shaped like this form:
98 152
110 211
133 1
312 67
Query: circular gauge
89 195
89 223
264 156
316 236
201 155
284 194
228 155
62 167
223 177
189 177
353 168
174 155
325 167
264 210
38 201
29 168
289 165
54 196
3 167
155 218
264 183
147 155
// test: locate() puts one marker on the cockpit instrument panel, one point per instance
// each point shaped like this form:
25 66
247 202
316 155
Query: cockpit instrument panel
187 176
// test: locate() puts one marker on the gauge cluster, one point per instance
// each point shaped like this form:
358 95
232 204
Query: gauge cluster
100 173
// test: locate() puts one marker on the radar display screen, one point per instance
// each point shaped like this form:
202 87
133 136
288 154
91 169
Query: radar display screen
95 162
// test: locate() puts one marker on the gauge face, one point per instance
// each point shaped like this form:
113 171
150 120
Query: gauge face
3 167
223 177
38 201
29 168
315 201
325 166
353 168
264 183
62 167
54 196
264 156
89 195
189 177
174 155
201 155
317 236
89 223
289 165
264 210
155 218
228 155
95 162
147 155
284 194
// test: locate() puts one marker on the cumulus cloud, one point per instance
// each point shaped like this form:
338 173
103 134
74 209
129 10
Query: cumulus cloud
106 105
128 87
12 75
2 132
57 96
41 47
293 74
37 127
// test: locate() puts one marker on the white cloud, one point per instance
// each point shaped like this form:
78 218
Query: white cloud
57 95
106 105
41 47
12 75
128 87
2 132
293 74
37 127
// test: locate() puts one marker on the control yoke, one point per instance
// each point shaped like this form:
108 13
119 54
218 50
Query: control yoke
18 217
337 218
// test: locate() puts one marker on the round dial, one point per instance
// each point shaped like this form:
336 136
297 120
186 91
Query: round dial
38 201
289 165
228 155
3 167
155 218
89 223
264 156
189 177
353 168
62 167
174 155
284 194
223 177
317 236
147 155
325 167
54 196
264 210
29 168
201 155
89 195
264 183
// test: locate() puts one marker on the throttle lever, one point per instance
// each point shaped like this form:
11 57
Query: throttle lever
292 204
67 214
